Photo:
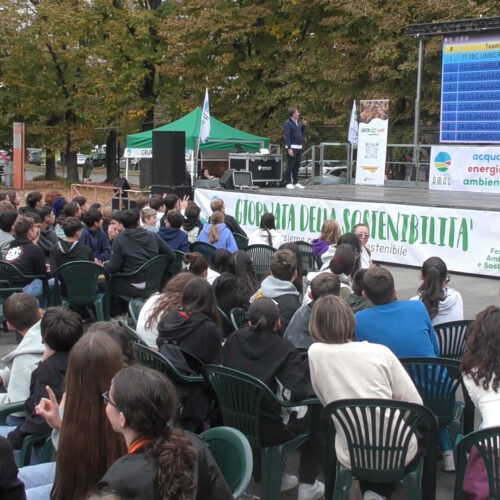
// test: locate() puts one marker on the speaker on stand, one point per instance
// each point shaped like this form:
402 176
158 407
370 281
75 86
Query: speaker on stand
169 158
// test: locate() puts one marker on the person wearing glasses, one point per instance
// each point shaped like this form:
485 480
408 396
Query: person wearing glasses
362 231
162 461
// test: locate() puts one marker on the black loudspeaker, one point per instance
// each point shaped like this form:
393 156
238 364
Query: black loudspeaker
242 178
169 158
226 181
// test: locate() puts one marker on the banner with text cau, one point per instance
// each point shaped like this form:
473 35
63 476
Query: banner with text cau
467 240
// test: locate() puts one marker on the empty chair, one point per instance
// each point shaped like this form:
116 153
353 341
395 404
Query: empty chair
452 338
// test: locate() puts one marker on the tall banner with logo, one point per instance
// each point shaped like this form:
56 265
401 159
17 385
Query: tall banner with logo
465 168
372 142
467 240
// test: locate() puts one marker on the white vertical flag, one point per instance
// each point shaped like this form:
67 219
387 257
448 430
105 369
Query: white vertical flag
205 119
352 135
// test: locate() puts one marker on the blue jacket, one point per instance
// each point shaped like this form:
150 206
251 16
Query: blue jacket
226 238
294 133
98 241
404 326
176 238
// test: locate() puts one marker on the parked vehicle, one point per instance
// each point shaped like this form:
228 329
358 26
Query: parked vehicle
34 156
96 159
80 159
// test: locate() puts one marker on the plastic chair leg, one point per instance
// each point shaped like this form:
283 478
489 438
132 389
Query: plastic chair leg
99 310
272 471
412 483
343 482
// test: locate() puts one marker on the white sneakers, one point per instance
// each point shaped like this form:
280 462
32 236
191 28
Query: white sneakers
288 481
448 461
295 186
371 495
311 491
290 186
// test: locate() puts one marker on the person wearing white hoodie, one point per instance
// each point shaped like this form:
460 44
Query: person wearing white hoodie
23 315
444 304
266 234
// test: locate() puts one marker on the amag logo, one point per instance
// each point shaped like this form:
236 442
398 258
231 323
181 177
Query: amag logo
442 161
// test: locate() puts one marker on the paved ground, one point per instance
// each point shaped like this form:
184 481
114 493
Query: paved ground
98 174
477 294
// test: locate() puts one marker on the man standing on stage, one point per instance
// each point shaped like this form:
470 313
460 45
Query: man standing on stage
294 137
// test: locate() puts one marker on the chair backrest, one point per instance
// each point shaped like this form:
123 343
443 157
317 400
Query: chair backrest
487 443
452 338
154 271
225 318
378 434
206 249
239 396
309 262
134 309
238 317
80 280
133 338
233 455
241 241
437 381
9 273
261 258
152 359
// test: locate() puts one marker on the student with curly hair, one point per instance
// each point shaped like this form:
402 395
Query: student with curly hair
481 373
162 462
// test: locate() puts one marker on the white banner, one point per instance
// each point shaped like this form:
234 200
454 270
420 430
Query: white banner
467 240
372 142
465 168
138 153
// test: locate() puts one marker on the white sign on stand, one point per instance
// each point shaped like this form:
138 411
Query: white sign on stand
372 142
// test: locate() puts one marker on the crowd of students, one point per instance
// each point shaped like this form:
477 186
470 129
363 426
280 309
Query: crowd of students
337 333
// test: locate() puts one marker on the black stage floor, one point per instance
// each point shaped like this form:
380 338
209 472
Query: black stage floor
396 195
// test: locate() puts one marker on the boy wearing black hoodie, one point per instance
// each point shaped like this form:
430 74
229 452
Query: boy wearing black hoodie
133 247
70 249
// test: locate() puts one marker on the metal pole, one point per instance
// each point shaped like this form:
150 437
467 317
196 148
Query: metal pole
416 128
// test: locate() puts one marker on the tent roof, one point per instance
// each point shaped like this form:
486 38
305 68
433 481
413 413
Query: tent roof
190 124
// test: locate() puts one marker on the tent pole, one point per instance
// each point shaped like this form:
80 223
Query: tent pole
195 162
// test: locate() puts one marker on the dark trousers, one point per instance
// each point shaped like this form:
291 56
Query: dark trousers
292 167
310 451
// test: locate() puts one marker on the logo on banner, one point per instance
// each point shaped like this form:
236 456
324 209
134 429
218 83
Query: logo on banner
442 162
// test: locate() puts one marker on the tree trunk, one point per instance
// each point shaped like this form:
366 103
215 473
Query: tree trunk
71 166
50 165
112 167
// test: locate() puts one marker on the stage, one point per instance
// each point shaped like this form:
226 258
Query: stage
382 194
407 225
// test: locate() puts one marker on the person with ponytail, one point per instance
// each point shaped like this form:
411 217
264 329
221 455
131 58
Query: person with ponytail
480 367
443 303
217 234
266 234
196 263
162 463
193 328
262 352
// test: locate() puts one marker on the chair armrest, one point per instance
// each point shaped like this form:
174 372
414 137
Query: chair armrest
304 402
8 409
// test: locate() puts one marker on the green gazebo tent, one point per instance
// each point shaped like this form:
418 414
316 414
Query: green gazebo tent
222 136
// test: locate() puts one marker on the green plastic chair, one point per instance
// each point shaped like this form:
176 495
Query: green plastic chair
134 309
261 258
239 396
47 452
309 262
9 281
241 241
233 455
380 456
206 249
153 273
76 284
437 381
225 318
238 317
133 338
186 385
452 338
487 442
